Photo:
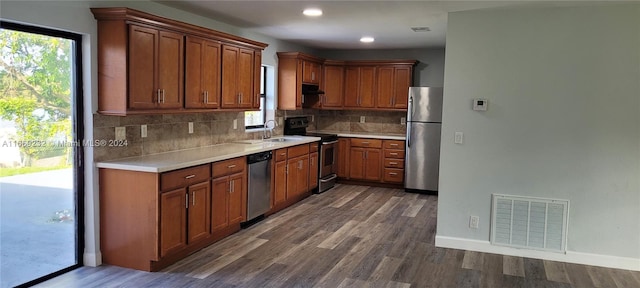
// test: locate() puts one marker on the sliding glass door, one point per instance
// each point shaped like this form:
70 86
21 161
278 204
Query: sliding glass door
41 179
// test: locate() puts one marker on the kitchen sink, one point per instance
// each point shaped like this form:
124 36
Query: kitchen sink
270 140
282 139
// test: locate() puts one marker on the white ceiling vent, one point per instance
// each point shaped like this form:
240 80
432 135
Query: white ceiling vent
526 222
420 29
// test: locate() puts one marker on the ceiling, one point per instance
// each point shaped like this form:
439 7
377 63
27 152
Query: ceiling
343 22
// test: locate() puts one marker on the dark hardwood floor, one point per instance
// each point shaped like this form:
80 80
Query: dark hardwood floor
350 236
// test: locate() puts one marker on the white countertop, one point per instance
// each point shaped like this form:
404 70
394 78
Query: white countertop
174 160
365 135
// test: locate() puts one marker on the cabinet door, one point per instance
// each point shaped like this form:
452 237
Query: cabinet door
170 69
219 206
173 221
292 175
402 84
313 170
384 87
351 87
237 198
202 73
143 50
367 86
280 185
230 94
199 211
311 72
302 180
245 78
257 78
333 86
373 164
344 147
356 163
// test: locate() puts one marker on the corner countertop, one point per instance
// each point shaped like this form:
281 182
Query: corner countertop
163 162
384 136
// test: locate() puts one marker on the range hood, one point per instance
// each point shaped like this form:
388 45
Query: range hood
311 90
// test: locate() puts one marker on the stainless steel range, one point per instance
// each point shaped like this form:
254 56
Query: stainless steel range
328 148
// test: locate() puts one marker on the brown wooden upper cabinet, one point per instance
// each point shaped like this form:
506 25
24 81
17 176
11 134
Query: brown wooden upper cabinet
294 70
359 87
150 65
310 72
393 84
202 89
333 86
155 68
237 77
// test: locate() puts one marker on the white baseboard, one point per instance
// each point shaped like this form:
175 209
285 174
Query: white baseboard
569 257
92 259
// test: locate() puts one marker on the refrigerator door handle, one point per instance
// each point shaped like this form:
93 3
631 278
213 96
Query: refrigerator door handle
410 110
409 135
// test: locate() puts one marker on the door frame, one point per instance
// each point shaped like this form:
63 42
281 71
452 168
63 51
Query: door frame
77 130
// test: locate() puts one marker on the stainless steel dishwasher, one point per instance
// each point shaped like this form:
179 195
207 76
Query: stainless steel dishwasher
259 190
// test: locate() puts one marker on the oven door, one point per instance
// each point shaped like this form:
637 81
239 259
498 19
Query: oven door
328 158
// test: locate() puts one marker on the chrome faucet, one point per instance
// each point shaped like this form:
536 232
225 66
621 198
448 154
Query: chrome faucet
264 133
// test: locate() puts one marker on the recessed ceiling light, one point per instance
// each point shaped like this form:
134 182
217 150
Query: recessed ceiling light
367 39
314 12
420 29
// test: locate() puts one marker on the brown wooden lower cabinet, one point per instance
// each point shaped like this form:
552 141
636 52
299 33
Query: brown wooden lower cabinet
229 193
371 160
291 176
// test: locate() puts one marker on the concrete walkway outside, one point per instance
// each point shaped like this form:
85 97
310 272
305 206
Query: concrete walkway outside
33 241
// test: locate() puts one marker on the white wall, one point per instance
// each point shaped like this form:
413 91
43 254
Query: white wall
75 16
428 72
563 121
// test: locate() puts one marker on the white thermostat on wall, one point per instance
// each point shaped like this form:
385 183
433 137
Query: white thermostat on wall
480 104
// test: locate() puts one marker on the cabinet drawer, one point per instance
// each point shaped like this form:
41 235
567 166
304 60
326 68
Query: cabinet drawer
281 154
184 177
397 154
393 144
228 167
392 175
369 143
296 151
313 147
394 163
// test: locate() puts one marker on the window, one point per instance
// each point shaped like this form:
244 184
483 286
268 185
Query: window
256 119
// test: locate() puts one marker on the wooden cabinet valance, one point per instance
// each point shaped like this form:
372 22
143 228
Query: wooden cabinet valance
149 64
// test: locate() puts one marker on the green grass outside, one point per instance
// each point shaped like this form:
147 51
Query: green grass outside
4 172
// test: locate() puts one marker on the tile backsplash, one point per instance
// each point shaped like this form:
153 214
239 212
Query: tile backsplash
167 132
170 132
348 121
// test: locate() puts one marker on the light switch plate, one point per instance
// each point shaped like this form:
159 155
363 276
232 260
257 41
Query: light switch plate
190 127
143 131
235 124
362 119
474 222
121 133
459 138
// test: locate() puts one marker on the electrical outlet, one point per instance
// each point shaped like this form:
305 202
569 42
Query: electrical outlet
280 121
143 131
458 138
403 120
235 124
362 119
121 133
191 128
474 221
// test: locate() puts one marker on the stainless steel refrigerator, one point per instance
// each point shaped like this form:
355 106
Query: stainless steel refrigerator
424 120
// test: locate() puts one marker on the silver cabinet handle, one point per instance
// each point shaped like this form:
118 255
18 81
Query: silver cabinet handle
299 164
393 144
162 96
393 173
206 97
366 154
158 96
231 166
393 163
190 176
193 198
365 143
286 169
393 154
186 201
231 190
240 98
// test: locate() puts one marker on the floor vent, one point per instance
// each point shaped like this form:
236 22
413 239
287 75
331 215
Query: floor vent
525 222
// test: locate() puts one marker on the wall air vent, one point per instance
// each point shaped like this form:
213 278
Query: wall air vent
420 29
527 222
